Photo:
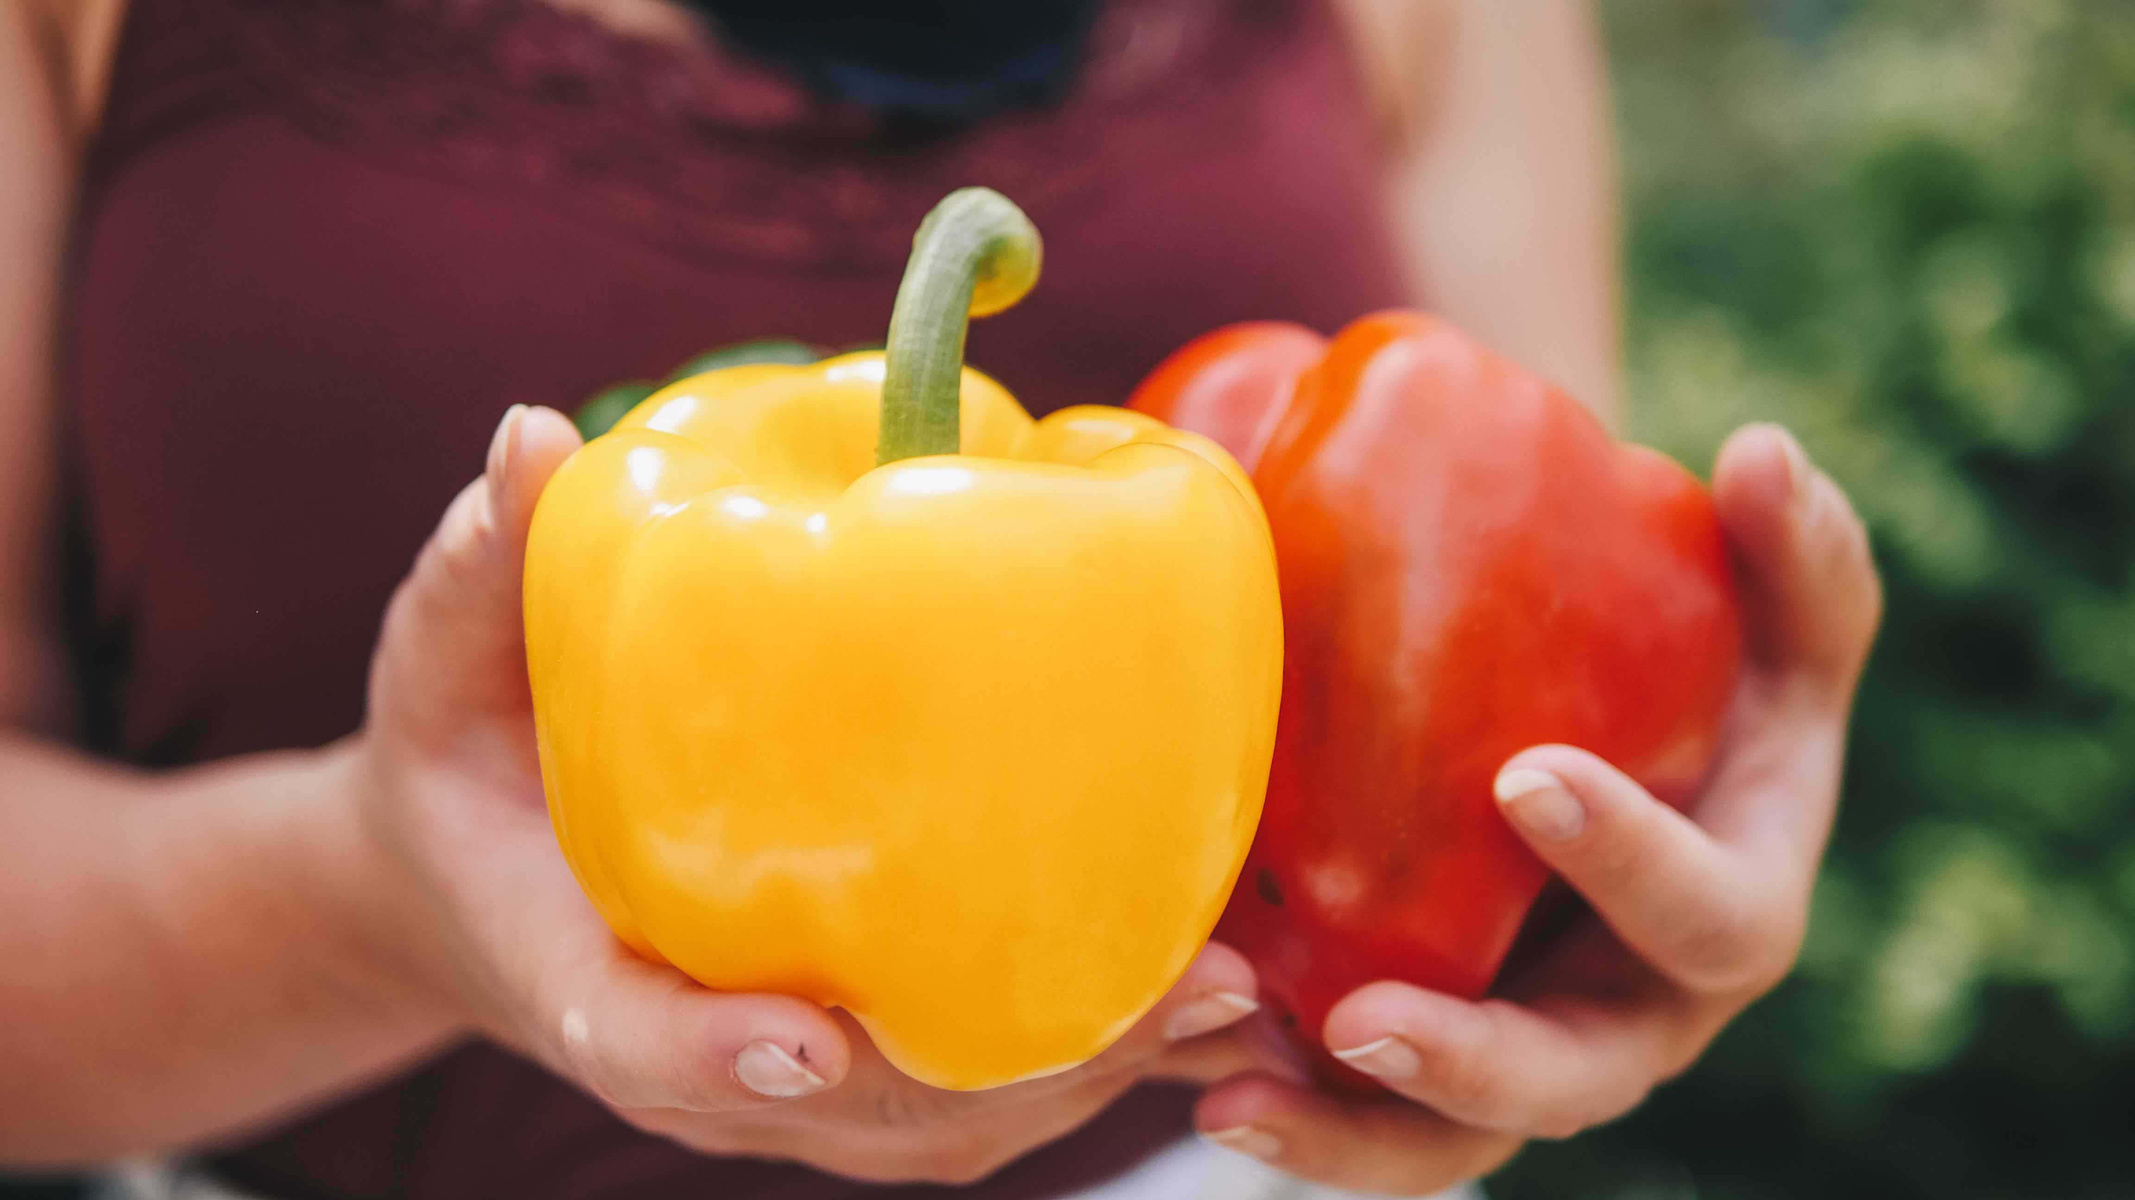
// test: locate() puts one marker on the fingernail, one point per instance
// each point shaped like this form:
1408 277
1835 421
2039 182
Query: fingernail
1208 1014
1247 1140
1387 1058
766 1069
500 445
1539 803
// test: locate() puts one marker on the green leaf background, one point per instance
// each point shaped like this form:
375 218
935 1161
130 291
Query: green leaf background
1906 228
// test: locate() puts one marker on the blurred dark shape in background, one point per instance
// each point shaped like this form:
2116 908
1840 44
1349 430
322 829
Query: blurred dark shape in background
1906 228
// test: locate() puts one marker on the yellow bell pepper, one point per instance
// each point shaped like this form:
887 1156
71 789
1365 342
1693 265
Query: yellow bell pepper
970 743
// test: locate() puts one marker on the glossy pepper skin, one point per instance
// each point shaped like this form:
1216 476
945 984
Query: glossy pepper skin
970 744
604 408
1470 566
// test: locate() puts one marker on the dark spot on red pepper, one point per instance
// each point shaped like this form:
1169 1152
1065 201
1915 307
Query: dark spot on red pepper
1269 890
1289 1019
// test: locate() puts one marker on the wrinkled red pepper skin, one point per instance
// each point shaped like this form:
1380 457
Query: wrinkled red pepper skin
1471 565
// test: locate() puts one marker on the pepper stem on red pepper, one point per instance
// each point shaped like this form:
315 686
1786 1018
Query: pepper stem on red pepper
973 256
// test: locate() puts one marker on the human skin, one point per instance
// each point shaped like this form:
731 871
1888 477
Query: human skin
196 951
1503 190
155 998
1694 916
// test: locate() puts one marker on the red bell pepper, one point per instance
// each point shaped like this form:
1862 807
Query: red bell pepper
1470 566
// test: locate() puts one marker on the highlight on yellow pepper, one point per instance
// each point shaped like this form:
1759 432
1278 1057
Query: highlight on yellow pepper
853 682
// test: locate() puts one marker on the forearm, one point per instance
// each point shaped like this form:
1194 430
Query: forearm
1505 195
189 953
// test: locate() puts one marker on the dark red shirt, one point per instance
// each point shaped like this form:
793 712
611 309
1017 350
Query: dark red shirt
324 244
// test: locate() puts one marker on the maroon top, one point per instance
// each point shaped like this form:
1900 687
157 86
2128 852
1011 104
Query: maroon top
324 243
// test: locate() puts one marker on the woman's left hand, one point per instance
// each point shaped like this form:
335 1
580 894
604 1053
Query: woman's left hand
1694 916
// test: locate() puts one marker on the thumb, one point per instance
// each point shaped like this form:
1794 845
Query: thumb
638 1035
548 975
453 644
1809 584
530 443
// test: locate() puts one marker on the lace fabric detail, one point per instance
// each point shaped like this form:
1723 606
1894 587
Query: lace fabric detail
695 147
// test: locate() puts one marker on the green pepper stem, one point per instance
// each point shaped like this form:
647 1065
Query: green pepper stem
973 256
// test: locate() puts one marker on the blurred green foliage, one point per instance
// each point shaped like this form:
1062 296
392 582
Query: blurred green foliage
1906 228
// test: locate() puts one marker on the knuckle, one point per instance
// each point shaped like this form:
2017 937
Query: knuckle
598 1081
1465 1082
619 1080
1470 1087
1617 856
1713 948
584 1062
1744 947
618 1086
1629 842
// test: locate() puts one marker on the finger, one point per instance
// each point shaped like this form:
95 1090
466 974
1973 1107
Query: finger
1810 588
1502 1066
1257 1043
1705 916
472 565
457 617
638 1035
1217 991
545 975
525 451
1204 1060
1389 1149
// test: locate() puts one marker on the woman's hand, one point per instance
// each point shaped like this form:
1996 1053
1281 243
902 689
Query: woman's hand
493 925
493 928
1693 917
879 1125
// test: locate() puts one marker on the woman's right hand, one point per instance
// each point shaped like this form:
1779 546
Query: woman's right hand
880 1125
483 919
